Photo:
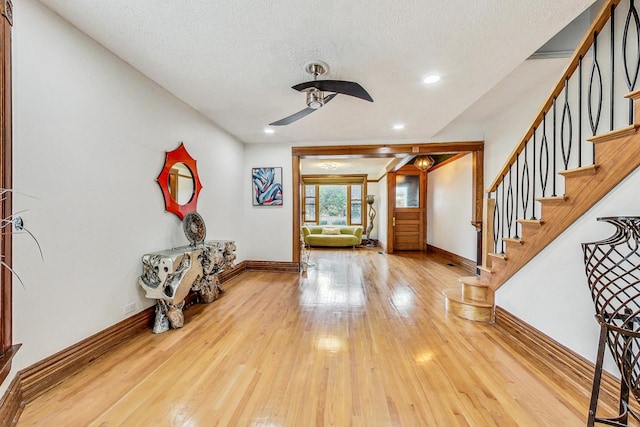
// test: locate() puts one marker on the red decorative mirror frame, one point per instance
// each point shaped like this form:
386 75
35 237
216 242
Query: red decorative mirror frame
179 155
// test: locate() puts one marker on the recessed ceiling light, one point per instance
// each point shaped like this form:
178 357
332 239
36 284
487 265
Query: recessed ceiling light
269 130
398 126
431 79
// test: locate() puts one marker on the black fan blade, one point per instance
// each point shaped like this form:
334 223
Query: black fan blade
338 86
300 114
292 118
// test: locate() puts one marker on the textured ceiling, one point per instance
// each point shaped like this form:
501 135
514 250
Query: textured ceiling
235 61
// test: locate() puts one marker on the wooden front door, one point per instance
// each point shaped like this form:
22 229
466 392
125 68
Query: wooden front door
407 210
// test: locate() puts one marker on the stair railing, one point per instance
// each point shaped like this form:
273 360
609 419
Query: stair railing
587 100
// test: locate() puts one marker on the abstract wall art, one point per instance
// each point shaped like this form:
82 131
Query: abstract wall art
267 186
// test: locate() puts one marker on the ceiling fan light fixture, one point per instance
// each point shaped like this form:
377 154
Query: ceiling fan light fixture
315 92
423 163
315 99
329 165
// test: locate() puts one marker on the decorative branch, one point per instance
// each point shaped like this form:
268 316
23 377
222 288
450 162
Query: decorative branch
15 221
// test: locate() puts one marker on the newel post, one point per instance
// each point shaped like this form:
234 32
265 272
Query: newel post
487 230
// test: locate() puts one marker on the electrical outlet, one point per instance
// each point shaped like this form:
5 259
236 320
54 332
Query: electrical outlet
129 308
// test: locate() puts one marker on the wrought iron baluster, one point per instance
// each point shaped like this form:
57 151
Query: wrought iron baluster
496 224
503 216
595 73
553 175
533 187
566 116
517 193
544 150
525 184
613 68
580 111
509 204
631 75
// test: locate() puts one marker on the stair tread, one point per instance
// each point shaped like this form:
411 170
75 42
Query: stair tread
614 134
473 281
500 256
487 270
552 199
537 222
454 294
581 171
633 94
513 240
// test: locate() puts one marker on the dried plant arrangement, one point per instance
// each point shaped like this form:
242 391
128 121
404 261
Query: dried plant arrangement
15 225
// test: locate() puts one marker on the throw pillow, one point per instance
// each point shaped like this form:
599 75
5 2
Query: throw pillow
328 230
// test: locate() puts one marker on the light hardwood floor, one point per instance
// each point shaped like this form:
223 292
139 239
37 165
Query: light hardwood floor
363 339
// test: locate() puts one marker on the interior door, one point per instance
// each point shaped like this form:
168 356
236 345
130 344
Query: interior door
407 210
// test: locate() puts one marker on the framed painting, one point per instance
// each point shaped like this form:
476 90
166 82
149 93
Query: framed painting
267 186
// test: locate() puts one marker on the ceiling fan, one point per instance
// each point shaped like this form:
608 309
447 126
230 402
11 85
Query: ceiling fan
316 89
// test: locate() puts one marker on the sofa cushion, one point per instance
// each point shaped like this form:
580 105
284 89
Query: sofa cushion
331 231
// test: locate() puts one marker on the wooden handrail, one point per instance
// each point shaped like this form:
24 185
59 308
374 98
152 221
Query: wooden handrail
585 44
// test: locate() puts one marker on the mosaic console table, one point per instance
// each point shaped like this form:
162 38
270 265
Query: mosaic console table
168 277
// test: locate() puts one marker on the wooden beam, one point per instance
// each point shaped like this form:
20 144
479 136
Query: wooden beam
387 150
397 163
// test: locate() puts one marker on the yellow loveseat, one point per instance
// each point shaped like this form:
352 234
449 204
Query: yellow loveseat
332 235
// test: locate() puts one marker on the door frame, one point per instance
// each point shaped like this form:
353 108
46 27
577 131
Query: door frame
7 348
404 152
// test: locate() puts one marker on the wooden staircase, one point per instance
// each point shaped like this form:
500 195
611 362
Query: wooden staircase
617 155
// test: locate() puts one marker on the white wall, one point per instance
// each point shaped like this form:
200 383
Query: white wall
449 206
551 293
270 228
90 135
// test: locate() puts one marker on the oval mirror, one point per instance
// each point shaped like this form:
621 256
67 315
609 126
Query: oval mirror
179 182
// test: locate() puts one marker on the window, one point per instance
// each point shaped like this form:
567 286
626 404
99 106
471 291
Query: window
355 202
408 191
334 200
333 204
310 203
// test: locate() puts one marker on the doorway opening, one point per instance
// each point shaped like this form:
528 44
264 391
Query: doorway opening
402 154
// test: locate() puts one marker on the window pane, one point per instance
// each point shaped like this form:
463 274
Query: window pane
310 190
407 191
356 213
333 204
356 192
310 210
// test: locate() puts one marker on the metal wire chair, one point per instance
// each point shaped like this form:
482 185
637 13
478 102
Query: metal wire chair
612 266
